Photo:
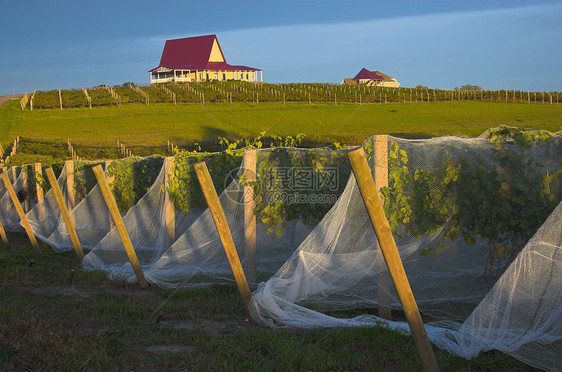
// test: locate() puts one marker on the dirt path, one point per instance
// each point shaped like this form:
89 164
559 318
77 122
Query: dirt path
11 96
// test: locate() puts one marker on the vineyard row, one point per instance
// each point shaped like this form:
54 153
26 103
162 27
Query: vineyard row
246 92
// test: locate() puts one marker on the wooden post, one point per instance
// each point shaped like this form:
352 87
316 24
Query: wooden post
110 180
39 191
125 239
169 207
25 181
2 231
380 171
3 234
38 173
22 216
69 166
224 232
64 212
249 216
391 256
60 100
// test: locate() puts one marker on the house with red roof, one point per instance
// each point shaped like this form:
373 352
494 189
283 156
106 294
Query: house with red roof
372 78
198 58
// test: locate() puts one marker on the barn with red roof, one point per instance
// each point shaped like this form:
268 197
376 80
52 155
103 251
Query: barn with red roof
198 58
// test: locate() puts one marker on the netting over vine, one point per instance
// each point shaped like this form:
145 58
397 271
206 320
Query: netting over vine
477 223
460 211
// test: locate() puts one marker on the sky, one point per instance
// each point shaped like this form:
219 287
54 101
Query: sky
495 44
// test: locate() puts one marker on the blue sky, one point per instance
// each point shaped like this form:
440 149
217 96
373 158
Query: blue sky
441 44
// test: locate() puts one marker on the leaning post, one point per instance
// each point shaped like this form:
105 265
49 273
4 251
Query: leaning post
64 212
121 229
221 224
22 216
391 256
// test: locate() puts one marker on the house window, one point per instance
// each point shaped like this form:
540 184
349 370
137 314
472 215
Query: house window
207 76
224 76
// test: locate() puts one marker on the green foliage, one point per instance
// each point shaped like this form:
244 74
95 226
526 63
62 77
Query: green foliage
84 178
132 178
503 202
469 87
278 199
221 165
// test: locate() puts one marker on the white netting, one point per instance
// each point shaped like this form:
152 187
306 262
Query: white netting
283 216
522 313
10 217
46 220
147 226
45 216
460 210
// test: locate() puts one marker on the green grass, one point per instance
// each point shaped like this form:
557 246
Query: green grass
154 125
46 323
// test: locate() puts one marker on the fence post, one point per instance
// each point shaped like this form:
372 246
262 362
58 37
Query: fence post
249 216
3 234
221 224
25 181
64 212
169 207
110 180
125 239
375 210
39 190
17 205
69 166
380 170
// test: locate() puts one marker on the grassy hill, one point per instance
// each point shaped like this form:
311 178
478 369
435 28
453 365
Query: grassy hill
154 125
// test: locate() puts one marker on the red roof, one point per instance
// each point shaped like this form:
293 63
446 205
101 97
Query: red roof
366 74
193 53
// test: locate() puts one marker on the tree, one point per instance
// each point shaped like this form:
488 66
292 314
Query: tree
469 87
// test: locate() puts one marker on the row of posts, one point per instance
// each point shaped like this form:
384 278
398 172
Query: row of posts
123 150
369 180
12 151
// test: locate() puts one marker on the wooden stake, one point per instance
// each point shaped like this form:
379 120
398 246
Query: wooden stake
64 212
380 160
125 239
391 256
249 216
39 191
69 166
169 207
224 232
22 216
110 180
25 181
3 234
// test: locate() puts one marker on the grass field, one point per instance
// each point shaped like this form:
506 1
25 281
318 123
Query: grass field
48 323
322 124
